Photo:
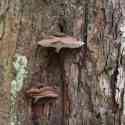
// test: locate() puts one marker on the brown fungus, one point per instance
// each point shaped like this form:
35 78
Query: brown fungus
61 42
42 101
65 41
42 93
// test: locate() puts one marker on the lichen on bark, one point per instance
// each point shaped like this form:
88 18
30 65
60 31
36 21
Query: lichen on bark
20 65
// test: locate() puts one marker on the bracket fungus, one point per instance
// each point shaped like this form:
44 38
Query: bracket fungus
42 102
65 41
42 93
61 42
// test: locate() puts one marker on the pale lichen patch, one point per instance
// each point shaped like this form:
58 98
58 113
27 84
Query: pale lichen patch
20 66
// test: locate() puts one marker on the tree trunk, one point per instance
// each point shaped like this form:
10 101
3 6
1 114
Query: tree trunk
90 80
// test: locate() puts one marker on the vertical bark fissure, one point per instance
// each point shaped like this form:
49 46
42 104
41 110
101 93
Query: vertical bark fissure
114 77
85 26
113 88
121 109
61 61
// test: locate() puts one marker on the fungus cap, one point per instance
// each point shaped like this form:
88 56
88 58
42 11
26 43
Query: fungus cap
61 42
42 93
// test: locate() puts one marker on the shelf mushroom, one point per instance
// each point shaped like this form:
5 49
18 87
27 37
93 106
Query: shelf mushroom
43 99
65 41
61 42
42 93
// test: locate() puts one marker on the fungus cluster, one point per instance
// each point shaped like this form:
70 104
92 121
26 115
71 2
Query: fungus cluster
43 98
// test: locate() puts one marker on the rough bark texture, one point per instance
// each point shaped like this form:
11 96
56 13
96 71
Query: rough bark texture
90 80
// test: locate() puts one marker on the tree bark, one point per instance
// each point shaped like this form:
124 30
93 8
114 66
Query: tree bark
90 79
